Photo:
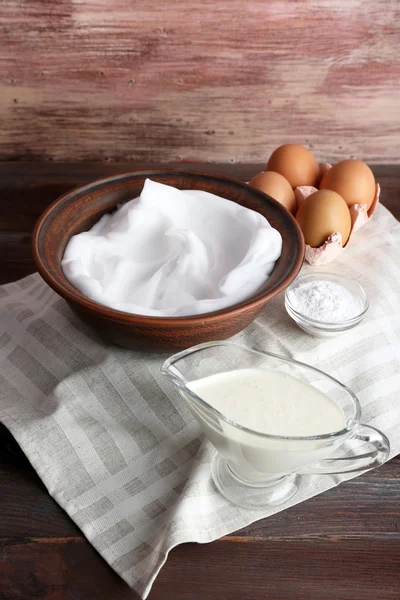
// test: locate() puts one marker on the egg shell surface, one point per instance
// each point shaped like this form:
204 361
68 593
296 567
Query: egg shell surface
353 180
276 186
321 214
297 164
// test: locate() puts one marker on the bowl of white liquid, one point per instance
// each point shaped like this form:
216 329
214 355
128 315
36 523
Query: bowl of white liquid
270 420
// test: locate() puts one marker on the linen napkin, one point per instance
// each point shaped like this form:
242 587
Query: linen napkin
117 448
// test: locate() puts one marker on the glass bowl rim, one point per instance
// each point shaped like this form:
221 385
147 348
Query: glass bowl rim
181 383
330 325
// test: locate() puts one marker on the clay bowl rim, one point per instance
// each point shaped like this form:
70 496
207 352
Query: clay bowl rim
127 318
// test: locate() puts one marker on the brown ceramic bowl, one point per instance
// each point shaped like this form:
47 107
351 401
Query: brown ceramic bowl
78 210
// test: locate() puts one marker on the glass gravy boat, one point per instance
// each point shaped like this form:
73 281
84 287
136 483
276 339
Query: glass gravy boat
253 469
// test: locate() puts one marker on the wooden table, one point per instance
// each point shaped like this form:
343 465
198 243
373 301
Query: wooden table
342 545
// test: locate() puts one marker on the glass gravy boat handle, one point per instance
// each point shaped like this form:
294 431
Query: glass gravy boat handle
361 462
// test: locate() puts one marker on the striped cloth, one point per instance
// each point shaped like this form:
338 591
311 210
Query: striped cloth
118 449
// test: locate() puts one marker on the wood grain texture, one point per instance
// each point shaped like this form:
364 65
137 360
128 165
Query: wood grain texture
297 570
61 569
212 81
341 545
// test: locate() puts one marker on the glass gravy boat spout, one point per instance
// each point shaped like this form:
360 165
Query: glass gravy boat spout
254 469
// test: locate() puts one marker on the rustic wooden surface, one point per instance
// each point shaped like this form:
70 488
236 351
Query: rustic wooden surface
342 545
211 81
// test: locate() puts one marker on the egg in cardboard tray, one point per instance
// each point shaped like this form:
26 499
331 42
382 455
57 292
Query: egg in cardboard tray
360 213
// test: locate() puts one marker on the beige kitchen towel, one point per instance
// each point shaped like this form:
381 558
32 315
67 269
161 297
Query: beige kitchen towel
117 448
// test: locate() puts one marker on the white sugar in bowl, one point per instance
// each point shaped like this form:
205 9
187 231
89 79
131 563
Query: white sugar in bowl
325 304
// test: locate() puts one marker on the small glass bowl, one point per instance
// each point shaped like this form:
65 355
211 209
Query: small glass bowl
322 328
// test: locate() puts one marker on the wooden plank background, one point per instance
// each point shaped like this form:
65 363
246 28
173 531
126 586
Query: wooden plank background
199 80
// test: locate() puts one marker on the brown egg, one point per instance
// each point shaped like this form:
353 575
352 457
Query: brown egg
295 163
321 214
353 180
277 187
